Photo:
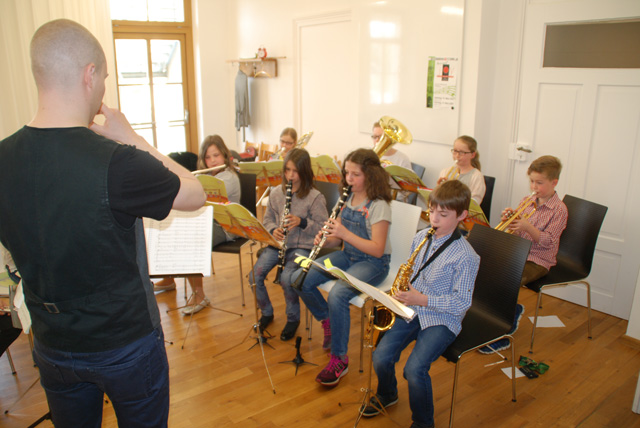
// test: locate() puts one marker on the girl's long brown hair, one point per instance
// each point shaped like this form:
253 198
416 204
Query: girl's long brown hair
376 178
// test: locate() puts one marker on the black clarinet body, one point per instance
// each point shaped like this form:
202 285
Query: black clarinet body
283 249
297 284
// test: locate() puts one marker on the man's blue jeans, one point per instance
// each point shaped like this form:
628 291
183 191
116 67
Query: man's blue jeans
135 378
430 344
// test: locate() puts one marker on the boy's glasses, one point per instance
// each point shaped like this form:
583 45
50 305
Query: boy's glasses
460 152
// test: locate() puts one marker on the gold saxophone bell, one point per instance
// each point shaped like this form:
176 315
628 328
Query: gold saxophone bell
518 213
383 316
392 132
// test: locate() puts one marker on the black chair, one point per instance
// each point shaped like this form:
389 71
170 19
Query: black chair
575 253
489 182
494 298
186 159
247 200
331 192
419 170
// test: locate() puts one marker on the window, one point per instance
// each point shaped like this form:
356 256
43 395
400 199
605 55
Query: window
154 64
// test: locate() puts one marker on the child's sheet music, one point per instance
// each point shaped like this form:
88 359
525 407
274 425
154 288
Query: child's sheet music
214 188
326 169
369 290
181 243
267 173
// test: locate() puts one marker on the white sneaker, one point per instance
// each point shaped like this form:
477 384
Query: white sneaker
164 287
194 309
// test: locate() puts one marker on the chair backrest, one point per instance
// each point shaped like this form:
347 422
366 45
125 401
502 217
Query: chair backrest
404 224
502 259
331 192
578 241
266 150
248 192
489 182
419 170
186 159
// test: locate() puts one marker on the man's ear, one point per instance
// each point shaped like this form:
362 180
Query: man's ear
89 75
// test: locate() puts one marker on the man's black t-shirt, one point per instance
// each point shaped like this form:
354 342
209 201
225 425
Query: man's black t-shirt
139 186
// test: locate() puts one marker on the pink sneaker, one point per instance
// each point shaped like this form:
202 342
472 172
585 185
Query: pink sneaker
336 368
326 343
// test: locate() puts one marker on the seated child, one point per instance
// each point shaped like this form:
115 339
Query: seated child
543 228
440 292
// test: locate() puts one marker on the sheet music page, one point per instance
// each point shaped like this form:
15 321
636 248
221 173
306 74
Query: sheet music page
373 292
181 243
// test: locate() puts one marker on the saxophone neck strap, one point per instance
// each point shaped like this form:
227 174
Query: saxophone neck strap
455 235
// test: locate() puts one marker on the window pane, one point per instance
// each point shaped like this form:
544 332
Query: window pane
168 102
593 45
129 10
135 103
166 60
131 60
166 11
171 138
144 10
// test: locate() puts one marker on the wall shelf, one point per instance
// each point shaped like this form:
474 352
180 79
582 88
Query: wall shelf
259 68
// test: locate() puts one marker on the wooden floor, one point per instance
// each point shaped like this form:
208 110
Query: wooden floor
591 383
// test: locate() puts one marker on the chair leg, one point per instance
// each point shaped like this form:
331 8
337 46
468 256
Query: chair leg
309 320
241 276
13 368
363 321
535 321
455 390
588 308
513 369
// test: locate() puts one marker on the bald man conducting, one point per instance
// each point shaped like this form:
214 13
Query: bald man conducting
71 196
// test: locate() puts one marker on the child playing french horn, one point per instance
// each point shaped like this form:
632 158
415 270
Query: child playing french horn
440 291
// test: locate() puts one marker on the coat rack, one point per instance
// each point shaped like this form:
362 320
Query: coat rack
259 68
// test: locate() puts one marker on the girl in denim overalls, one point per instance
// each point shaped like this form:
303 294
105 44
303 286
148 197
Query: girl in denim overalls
362 226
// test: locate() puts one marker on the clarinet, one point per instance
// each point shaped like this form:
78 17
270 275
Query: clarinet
285 230
297 284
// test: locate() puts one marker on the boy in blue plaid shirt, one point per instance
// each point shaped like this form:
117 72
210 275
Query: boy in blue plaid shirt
441 288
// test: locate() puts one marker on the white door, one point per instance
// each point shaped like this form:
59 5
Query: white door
327 83
590 119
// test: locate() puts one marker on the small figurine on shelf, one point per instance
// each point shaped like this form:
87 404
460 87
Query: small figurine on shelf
262 52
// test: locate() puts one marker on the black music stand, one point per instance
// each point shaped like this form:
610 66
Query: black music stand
237 220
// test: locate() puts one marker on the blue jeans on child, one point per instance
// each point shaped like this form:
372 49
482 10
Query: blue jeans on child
430 344
368 269
135 377
266 262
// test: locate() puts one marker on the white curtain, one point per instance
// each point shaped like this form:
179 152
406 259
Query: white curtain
19 19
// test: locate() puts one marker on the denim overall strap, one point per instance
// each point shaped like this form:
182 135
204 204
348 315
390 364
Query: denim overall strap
356 222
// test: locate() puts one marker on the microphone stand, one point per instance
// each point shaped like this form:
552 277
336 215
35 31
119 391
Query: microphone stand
298 360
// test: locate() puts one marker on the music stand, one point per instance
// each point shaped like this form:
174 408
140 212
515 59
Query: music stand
298 360
236 219
326 169
373 294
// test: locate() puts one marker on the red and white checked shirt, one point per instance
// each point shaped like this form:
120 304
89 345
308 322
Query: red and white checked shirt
550 219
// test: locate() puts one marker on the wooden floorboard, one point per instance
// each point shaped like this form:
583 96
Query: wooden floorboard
591 383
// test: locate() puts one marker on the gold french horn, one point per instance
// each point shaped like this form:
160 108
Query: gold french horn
392 132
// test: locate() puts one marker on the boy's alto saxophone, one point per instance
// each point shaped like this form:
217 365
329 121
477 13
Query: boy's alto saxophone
285 231
297 284
384 317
